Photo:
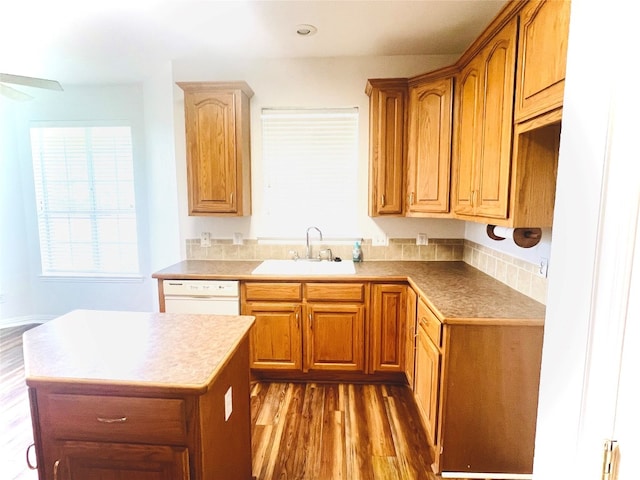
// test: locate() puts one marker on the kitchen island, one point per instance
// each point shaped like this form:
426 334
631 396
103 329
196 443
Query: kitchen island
132 395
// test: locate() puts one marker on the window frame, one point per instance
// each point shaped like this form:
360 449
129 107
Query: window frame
91 276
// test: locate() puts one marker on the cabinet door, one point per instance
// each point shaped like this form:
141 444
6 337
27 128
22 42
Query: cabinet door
467 138
119 461
211 166
388 316
334 337
218 147
542 57
493 169
429 146
387 103
276 338
427 383
410 347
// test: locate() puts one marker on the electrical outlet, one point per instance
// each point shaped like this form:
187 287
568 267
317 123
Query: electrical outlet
380 240
205 239
422 239
543 266
237 239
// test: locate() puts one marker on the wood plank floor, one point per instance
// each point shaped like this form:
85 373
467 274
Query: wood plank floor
333 431
299 431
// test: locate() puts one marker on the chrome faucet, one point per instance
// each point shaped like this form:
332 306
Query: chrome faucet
308 244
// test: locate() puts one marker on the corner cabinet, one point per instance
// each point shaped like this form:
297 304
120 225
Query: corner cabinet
387 117
476 388
429 145
218 147
542 57
482 137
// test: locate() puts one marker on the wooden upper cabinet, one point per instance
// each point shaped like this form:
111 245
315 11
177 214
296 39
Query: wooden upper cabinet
542 57
483 133
218 147
429 146
387 112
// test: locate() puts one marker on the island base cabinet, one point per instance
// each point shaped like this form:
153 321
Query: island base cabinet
490 397
116 461
134 432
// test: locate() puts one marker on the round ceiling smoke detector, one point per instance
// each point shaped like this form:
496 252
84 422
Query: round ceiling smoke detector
305 30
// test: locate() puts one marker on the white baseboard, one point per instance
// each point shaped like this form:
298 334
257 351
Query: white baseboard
24 320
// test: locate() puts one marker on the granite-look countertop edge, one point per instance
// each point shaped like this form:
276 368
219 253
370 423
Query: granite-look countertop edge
133 349
455 290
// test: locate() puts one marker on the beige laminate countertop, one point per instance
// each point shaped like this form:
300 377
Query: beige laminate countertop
135 349
454 290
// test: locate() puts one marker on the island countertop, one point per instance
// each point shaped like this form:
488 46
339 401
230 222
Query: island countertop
454 290
133 349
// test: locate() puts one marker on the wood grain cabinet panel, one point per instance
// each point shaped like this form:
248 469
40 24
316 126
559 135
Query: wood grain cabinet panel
429 146
387 145
485 117
410 348
218 147
120 461
427 385
276 336
334 337
388 330
542 57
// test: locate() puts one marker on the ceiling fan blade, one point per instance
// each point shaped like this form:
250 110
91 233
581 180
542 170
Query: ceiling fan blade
13 94
30 81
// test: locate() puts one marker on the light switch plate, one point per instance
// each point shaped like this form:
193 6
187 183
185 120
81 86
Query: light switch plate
422 239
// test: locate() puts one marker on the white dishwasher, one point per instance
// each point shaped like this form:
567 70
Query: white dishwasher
221 297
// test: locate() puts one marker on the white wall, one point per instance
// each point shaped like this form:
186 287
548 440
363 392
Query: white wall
50 297
477 232
310 82
15 285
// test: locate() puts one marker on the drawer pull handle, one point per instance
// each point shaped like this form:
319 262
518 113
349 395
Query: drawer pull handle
425 320
112 420
55 469
29 464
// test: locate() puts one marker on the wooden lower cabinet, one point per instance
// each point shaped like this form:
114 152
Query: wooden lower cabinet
410 346
115 431
388 331
334 337
304 327
115 461
276 337
476 387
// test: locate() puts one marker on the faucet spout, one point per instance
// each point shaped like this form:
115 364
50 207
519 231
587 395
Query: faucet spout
308 244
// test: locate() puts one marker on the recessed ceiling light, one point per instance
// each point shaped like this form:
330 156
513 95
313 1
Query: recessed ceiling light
305 30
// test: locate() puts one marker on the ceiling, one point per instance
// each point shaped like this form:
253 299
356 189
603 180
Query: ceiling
85 41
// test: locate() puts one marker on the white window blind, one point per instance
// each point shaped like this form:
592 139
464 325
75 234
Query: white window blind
85 198
310 159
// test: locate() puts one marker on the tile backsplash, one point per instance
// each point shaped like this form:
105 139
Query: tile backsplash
518 274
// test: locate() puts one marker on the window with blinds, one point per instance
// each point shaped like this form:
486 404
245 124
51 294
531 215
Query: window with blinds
85 200
310 159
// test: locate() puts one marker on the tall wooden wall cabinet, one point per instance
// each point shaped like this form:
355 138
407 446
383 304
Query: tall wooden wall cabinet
218 147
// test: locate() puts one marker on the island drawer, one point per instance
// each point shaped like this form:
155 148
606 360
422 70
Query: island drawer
116 419
429 322
335 292
272 291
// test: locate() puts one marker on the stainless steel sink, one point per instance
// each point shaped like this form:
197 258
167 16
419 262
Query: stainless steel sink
304 267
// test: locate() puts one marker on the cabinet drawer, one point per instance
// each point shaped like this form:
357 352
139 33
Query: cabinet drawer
280 292
430 323
334 292
116 419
